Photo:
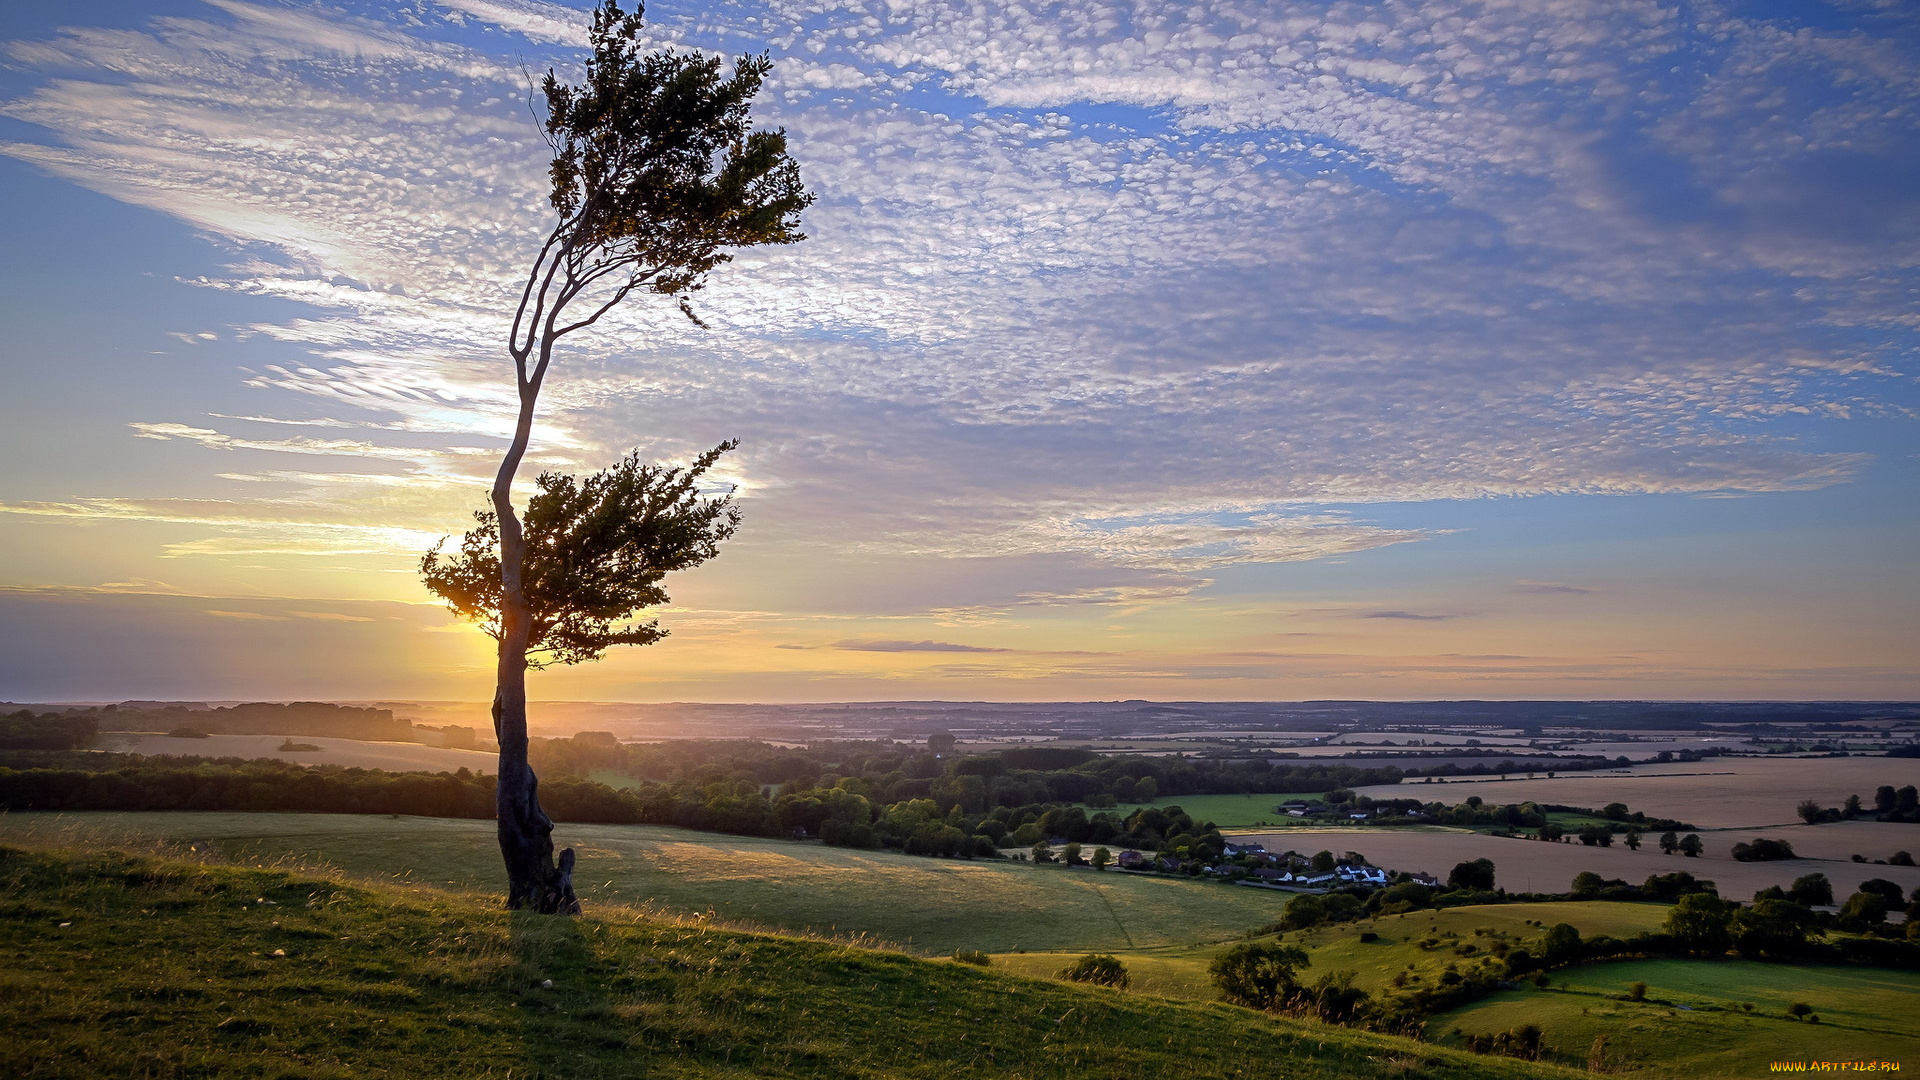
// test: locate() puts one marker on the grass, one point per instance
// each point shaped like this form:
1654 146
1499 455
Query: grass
1226 811
1181 971
927 905
129 966
1865 1014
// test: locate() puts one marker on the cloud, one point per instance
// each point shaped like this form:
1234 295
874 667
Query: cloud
1553 587
1407 615
1148 291
911 646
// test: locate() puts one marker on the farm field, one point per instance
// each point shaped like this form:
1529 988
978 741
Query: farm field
1534 866
1226 811
1718 793
1865 1014
1835 839
926 905
354 753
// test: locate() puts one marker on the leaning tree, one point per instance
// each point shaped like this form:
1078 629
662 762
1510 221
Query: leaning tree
656 172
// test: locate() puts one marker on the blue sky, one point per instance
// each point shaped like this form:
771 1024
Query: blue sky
1208 350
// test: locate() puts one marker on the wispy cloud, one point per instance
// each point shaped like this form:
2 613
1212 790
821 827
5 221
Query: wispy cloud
912 646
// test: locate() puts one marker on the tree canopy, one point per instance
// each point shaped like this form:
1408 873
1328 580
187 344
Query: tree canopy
596 551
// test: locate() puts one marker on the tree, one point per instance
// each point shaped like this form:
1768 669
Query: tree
656 171
940 742
1099 969
1887 890
1774 929
1668 842
1476 875
1071 855
1811 812
1259 975
1322 862
1633 839
1586 883
1560 946
1813 890
1864 909
1884 798
1691 847
1700 921
1101 857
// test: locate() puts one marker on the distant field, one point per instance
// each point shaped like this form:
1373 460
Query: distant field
1865 1013
1534 866
1839 839
1718 793
1226 811
928 905
393 756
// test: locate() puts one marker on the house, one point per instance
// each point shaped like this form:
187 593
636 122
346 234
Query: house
1427 879
1370 876
1356 817
1245 849
1131 860
1296 813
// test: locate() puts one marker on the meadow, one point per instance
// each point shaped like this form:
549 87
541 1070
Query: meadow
247 973
1693 1023
1181 971
927 905
1225 811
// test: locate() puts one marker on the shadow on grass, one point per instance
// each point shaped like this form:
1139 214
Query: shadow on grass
567 1029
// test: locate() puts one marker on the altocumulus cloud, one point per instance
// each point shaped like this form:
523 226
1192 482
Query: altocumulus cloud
1148 286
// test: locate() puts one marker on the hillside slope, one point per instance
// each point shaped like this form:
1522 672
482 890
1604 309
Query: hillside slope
127 966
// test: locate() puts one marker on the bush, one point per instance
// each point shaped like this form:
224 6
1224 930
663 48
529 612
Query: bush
972 956
1763 850
1258 975
1099 969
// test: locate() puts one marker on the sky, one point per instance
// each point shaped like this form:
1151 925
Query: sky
1217 350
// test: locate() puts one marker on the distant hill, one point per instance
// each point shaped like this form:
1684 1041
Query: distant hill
261 718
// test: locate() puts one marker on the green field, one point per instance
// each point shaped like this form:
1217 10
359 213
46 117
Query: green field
137 967
1865 1014
1181 971
1226 811
926 905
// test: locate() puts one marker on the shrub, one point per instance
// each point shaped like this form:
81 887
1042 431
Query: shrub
972 956
1099 969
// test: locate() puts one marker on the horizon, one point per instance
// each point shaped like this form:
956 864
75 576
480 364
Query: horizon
1224 351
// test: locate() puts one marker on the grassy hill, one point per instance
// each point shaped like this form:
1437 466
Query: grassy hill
927 905
1693 1023
1181 971
134 966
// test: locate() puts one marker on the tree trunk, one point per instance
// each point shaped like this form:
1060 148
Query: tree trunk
526 833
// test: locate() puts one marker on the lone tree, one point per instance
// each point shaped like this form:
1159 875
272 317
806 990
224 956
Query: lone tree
656 172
